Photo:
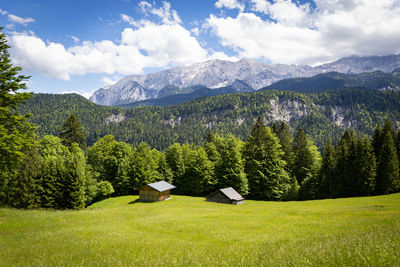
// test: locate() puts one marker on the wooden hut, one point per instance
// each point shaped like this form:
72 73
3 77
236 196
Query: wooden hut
155 192
227 196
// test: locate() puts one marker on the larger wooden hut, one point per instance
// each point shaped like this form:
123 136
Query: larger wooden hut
155 192
227 196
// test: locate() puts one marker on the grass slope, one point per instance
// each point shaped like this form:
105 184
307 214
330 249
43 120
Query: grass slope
188 231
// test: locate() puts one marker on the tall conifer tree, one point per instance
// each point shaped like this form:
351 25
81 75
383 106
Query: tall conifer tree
387 179
327 172
71 131
342 178
16 134
306 157
287 145
362 168
264 166
229 169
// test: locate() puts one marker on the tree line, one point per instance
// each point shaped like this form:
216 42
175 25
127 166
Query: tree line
321 114
62 173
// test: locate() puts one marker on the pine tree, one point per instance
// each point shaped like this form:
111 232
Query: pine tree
287 145
176 162
71 131
210 137
342 178
377 141
327 172
74 180
229 169
264 166
306 157
388 127
63 175
163 169
24 188
275 128
16 134
362 168
398 146
197 179
387 179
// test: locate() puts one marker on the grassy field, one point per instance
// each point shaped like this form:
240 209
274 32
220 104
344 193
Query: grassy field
188 231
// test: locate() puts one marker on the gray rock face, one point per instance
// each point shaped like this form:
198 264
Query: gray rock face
123 92
220 73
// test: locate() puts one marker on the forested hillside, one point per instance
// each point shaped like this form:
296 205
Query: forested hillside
376 80
319 114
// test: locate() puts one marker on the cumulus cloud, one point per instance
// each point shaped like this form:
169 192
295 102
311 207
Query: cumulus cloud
19 20
165 12
147 44
128 19
230 4
84 94
195 31
110 80
296 33
3 12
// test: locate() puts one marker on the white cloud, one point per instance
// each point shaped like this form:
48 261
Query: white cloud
230 4
16 19
146 45
164 44
165 13
84 94
3 12
144 6
296 33
128 19
76 39
110 80
252 37
195 31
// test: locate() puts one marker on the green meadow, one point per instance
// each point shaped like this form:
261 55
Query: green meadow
188 231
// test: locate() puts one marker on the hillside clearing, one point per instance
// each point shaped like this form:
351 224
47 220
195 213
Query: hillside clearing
190 231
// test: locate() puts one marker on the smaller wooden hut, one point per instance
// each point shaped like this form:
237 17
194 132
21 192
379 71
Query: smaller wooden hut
155 192
227 196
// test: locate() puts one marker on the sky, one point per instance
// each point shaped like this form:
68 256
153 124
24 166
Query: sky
82 45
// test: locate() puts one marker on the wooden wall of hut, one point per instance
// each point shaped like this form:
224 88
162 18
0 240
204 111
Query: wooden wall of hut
148 194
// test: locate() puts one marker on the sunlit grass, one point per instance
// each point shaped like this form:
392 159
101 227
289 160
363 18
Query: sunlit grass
190 231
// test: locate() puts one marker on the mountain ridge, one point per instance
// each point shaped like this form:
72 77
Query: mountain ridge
222 73
320 114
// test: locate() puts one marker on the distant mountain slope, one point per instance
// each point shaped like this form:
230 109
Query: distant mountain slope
193 93
376 80
220 73
319 114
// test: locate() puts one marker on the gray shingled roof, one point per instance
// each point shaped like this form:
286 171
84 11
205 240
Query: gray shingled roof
231 193
162 186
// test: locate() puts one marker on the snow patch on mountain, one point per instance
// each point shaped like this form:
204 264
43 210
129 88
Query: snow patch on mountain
220 73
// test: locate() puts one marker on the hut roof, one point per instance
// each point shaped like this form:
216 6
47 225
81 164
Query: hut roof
231 194
162 186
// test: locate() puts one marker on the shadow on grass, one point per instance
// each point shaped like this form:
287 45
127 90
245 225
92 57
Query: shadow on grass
135 201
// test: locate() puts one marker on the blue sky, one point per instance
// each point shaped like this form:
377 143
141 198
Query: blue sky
83 45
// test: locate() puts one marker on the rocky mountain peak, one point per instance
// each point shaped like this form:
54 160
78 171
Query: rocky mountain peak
221 73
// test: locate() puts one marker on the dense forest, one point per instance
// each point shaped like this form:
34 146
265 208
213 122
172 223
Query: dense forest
61 173
376 80
321 115
199 146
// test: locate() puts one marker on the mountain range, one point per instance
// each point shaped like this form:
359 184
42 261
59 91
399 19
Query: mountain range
245 75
